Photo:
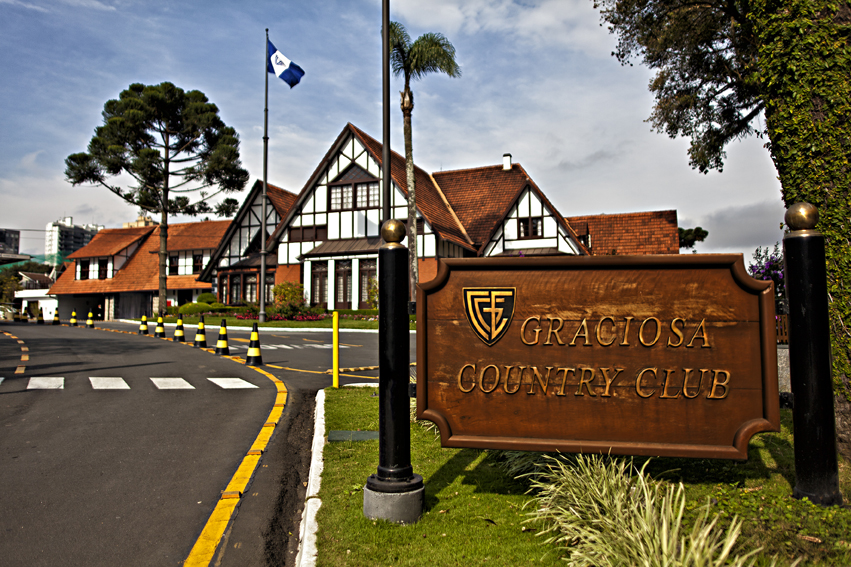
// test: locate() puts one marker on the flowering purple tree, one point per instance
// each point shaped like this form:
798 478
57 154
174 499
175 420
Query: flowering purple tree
768 265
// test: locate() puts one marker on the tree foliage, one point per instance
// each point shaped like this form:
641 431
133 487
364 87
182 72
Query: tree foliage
704 55
171 143
429 53
719 64
691 236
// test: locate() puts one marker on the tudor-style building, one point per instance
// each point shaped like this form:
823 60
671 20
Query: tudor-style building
234 269
327 237
119 270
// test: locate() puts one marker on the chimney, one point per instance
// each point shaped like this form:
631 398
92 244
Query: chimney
506 162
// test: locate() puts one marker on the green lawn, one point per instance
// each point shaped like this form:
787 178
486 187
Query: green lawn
474 512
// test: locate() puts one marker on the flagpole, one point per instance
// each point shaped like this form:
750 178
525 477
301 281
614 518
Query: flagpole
261 284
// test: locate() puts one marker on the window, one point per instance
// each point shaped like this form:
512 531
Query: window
270 283
235 289
343 287
251 289
367 273
103 264
197 263
530 227
309 233
224 289
319 283
172 265
84 269
352 197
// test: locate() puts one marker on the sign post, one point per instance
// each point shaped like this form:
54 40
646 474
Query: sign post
631 355
816 472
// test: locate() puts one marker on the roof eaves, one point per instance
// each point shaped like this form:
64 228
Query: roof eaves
452 211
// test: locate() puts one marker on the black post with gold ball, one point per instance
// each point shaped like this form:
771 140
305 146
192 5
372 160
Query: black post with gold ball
816 471
394 493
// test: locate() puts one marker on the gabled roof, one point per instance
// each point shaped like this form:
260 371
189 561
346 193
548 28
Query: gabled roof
196 235
110 241
141 271
483 196
653 232
430 202
281 199
41 279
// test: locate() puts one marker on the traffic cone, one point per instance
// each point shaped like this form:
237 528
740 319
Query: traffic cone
222 343
200 335
179 336
40 320
90 324
73 320
253 358
56 320
143 326
159 331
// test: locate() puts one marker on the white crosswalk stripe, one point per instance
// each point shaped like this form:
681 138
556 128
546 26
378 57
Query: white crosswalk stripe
109 383
1 380
231 383
46 383
172 384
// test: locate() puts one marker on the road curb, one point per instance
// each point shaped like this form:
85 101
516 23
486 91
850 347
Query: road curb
307 531
261 329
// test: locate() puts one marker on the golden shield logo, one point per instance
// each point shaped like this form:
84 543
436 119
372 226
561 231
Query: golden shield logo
489 311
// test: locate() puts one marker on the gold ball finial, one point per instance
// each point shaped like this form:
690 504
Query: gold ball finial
393 231
801 216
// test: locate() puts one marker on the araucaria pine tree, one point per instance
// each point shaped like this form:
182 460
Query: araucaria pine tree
172 144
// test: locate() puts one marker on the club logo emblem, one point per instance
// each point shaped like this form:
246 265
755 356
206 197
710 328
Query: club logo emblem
489 311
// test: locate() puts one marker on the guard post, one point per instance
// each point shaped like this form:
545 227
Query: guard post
394 493
816 470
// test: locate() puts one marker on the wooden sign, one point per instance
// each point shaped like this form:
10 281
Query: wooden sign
631 355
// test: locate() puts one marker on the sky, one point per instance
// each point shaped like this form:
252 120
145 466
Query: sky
538 81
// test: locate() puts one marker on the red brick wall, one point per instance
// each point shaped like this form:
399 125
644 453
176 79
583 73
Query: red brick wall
427 268
288 273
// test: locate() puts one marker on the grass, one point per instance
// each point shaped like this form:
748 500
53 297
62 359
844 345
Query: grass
480 507
473 511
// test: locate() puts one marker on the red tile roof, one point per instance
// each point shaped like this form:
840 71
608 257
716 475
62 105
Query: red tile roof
653 232
111 241
141 271
281 199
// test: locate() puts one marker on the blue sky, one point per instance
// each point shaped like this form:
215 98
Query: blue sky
538 81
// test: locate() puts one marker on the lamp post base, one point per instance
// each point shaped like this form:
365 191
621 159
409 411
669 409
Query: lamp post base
396 507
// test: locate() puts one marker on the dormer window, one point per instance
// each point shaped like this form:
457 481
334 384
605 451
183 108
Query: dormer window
530 227
103 264
354 190
84 269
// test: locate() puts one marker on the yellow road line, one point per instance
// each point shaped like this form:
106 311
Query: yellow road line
25 357
20 369
205 546
312 341
240 340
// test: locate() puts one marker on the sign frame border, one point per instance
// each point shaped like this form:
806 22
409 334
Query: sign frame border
770 420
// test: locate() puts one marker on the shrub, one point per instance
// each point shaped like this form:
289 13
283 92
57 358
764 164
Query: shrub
207 297
217 306
194 308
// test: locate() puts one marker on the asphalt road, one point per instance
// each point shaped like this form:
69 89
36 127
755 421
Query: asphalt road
130 476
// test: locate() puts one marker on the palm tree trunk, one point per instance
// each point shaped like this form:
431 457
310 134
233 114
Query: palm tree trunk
407 110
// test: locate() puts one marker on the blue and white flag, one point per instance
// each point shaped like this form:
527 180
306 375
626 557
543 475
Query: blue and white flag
279 65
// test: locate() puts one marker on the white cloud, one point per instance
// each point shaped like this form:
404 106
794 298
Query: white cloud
26 5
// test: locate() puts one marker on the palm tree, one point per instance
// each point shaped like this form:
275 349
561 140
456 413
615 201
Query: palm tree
430 53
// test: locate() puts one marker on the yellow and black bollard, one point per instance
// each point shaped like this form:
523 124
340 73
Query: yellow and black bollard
179 335
159 330
73 321
254 358
222 343
56 320
143 326
90 323
40 320
200 335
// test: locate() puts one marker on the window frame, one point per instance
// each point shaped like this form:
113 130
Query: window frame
353 185
529 223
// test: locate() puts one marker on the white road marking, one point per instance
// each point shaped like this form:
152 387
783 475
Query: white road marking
231 383
46 383
109 383
1 380
172 384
